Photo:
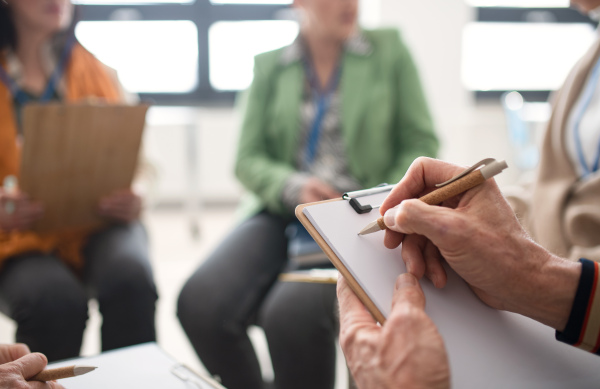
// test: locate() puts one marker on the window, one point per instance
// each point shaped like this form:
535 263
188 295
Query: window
528 46
184 52
233 45
150 56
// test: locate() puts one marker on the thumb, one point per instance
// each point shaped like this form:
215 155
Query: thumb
415 217
408 291
30 364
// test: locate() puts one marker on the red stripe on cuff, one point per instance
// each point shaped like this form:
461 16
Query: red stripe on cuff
589 307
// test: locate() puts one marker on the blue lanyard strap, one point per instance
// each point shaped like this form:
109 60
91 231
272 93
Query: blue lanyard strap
22 97
323 101
586 99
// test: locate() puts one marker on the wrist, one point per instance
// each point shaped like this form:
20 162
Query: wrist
548 288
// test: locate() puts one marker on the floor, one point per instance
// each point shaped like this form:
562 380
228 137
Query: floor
176 253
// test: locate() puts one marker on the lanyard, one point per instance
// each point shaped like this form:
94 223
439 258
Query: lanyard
323 101
22 97
587 96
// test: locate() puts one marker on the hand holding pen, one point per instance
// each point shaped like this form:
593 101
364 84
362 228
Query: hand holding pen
479 236
17 210
18 365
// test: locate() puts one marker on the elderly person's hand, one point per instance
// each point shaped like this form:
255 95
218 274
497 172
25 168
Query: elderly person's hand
480 237
123 206
407 352
18 364
17 211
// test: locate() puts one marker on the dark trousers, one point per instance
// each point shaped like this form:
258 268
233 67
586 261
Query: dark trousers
234 288
48 300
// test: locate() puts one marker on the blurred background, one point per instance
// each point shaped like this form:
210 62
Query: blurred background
190 58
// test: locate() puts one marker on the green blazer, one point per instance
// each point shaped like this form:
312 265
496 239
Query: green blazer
385 120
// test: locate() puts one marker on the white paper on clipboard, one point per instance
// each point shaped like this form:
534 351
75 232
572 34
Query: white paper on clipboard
143 366
487 348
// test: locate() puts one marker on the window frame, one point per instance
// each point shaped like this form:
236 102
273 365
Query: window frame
203 13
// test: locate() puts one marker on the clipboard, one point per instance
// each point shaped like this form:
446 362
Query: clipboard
312 276
74 154
356 201
142 366
487 348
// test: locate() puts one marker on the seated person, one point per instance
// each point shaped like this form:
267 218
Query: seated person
561 211
340 109
47 279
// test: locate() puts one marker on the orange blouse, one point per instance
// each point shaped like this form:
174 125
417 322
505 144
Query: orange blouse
84 77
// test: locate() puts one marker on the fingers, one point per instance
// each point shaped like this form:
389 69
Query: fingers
45 385
413 247
19 214
438 224
392 239
434 270
12 352
31 364
354 317
408 291
124 206
352 310
18 350
424 173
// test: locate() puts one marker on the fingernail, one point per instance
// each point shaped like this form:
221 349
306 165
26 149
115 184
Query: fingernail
405 279
435 280
390 217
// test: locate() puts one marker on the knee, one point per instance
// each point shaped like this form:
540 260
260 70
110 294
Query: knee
200 313
291 310
127 279
57 305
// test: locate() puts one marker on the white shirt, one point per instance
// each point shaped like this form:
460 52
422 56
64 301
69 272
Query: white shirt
589 126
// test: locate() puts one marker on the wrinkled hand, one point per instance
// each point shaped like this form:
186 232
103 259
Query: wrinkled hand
17 364
122 206
317 190
407 352
479 236
17 211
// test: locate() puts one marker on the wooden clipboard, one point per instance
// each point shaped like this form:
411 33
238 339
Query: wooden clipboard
74 154
354 285
487 348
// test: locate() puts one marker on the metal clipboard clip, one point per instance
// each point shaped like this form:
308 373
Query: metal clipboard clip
354 197
192 379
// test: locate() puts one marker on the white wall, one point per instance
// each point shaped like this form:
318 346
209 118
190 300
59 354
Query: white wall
433 30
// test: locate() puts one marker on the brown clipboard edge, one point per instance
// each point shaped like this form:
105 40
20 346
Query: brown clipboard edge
354 285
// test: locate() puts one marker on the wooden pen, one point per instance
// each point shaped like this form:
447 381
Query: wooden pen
62 372
455 186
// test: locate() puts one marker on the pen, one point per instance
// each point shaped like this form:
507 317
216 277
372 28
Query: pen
9 185
455 186
62 372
